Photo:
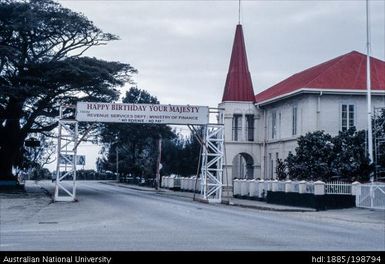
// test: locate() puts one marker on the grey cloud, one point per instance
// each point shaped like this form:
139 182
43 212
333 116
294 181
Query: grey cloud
185 46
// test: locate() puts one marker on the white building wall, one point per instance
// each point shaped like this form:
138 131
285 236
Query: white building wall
315 112
285 141
233 148
331 111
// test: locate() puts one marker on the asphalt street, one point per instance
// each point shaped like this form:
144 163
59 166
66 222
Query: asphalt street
109 218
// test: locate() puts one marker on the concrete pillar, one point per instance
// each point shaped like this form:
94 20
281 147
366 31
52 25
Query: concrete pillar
236 187
288 186
356 188
269 183
244 188
302 187
253 188
256 188
319 188
183 183
274 186
261 184
166 181
171 182
162 184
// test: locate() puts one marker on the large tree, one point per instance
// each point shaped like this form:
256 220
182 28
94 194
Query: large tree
181 155
313 157
319 156
42 67
351 160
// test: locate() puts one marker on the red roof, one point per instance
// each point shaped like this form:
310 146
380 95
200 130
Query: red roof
345 72
239 86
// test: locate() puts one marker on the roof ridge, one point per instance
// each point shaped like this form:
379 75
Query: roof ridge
307 70
358 72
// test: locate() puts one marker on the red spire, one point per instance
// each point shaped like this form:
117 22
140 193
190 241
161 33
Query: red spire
239 86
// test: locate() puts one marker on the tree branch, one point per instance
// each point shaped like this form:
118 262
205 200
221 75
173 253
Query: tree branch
44 128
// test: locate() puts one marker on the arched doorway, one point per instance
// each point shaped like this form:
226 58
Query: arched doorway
243 166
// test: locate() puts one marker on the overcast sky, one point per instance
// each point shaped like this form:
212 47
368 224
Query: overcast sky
182 48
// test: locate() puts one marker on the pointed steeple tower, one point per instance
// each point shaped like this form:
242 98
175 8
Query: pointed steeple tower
239 86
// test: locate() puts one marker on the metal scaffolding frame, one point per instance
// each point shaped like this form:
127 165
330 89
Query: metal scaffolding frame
212 163
67 143
379 142
212 156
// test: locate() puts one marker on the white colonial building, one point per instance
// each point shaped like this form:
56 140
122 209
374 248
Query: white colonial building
261 128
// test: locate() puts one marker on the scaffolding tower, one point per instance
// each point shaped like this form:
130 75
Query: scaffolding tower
65 188
379 142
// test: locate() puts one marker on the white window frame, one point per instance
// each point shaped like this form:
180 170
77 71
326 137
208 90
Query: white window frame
250 130
236 130
348 118
294 120
274 124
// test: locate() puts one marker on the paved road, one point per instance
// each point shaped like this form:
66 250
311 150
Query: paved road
114 218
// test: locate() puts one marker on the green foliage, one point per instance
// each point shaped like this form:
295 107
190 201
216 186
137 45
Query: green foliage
41 155
281 170
42 67
38 174
322 157
313 157
350 156
181 156
93 175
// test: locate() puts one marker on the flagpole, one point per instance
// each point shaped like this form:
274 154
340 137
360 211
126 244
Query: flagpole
368 85
239 12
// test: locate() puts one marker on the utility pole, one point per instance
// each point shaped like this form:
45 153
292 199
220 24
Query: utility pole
117 157
157 175
117 163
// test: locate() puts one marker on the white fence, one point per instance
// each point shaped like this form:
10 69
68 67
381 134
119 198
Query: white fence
259 188
337 187
367 195
371 196
188 184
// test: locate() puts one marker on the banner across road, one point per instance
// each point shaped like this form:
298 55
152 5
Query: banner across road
142 113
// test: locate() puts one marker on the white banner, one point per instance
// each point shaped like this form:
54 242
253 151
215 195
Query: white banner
142 113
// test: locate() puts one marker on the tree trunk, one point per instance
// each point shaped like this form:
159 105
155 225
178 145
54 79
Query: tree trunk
10 155
6 168
11 141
